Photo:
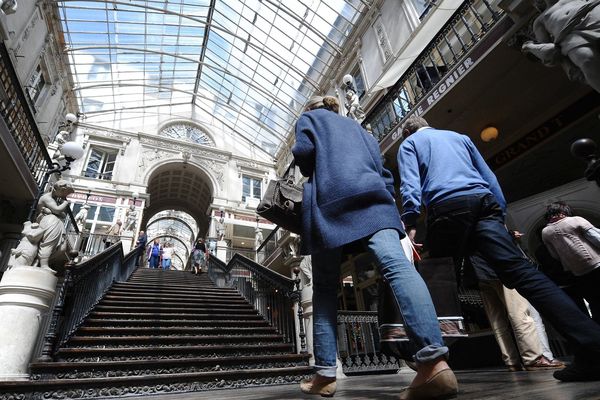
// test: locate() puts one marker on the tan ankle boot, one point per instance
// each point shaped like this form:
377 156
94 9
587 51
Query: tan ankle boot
442 385
319 385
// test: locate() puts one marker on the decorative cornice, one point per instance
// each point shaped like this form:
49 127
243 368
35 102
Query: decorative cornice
195 150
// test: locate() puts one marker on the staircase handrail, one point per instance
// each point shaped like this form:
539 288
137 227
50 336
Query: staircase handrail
81 289
270 293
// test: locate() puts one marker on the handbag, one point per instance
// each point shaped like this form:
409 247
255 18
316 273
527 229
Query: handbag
282 202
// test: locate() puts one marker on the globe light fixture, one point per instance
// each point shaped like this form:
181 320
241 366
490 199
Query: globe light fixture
489 134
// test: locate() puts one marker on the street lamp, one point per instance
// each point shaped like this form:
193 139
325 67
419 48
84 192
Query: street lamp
71 152
586 149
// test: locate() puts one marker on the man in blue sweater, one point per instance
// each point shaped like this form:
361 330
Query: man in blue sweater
465 214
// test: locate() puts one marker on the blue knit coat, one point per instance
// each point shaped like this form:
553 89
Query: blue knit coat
349 195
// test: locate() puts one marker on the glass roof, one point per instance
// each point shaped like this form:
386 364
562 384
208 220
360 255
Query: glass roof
247 66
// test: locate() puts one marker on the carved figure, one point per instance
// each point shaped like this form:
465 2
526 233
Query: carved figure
52 206
131 218
220 227
82 216
568 33
352 103
306 269
59 140
25 253
258 238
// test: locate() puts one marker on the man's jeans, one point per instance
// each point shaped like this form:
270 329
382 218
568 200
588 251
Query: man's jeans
409 290
468 224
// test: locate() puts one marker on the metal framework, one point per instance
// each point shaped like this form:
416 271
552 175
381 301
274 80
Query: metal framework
247 66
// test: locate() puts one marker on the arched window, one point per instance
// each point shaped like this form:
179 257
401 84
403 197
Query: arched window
187 132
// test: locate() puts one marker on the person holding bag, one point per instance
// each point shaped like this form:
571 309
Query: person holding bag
348 198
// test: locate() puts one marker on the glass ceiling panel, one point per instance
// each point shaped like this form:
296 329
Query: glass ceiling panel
247 65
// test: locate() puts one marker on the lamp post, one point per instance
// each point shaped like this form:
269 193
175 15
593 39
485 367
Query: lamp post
586 149
71 152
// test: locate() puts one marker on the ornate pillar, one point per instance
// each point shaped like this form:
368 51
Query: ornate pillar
25 293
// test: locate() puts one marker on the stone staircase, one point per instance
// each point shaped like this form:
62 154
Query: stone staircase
165 332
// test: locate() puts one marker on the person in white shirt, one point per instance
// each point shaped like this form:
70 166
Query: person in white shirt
167 255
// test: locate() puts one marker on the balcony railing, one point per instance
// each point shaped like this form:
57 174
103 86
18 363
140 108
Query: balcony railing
19 119
436 63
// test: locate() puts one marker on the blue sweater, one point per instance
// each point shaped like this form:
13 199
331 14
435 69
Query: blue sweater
439 165
349 195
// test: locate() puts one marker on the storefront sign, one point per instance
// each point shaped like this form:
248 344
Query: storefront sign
450 80
550 127
94 198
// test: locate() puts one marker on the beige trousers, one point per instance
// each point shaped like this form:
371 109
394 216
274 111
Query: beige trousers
506 308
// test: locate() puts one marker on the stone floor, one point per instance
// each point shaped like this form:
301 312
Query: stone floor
488 384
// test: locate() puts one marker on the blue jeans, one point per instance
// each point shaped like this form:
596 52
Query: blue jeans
154 260
468 224
166 263
409 290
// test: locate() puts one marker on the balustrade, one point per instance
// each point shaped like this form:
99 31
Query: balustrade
446 51
272 295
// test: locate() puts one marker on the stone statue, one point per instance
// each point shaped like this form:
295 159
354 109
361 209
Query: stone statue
131 218
352 104
59 140
52 207
568 33
25 253
258 238
306 270
82 216
220 228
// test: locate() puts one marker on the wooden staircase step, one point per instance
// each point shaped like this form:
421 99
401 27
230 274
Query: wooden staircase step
151 288
151 384
76 341
182 303
155 352
221 309
172 296
78 369
96 322
196 316
158 331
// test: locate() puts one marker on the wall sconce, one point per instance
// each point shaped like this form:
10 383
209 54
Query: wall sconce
135 196
586 150
489 134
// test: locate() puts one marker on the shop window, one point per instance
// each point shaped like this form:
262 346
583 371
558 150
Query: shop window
101 164
251 188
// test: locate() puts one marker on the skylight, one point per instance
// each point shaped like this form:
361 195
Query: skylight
247 66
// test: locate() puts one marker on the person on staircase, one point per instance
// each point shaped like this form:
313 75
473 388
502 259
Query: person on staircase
154 254
167 255
199 257
349 198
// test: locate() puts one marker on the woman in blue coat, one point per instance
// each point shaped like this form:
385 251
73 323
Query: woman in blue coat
349 197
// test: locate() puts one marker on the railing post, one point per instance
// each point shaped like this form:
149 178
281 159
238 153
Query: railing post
51 335
298 299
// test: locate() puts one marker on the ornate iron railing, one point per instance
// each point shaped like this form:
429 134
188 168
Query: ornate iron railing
274 296
18 117
358 343
80 290
15 111
447 50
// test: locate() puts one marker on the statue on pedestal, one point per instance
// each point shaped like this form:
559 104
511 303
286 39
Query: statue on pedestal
258 238
26 251
568 33
355 111
81 217
131 218
220 228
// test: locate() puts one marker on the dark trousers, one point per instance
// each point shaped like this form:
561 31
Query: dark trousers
468 224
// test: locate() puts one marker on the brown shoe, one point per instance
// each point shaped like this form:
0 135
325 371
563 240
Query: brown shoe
319 385
543 363
442 385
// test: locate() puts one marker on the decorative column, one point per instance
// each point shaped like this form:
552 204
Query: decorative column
25 293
